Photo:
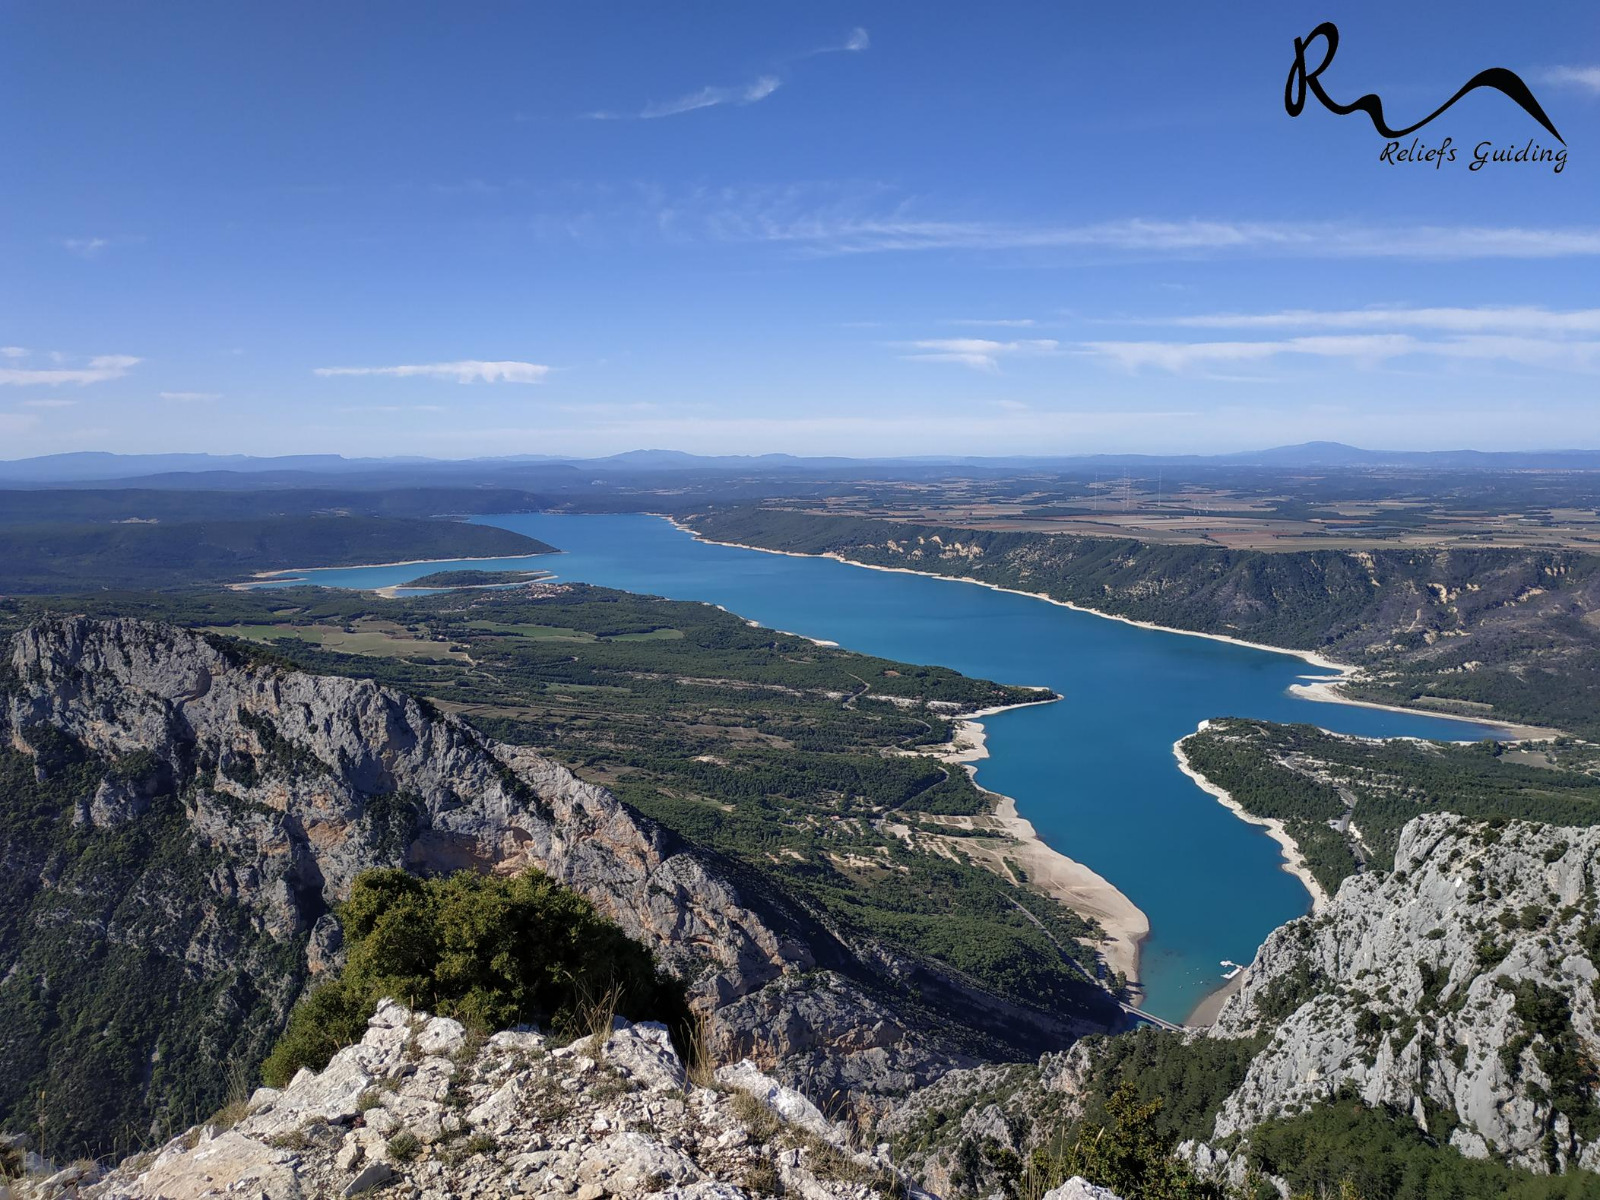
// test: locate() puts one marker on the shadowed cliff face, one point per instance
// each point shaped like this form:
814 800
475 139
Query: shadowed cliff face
305 781
270 790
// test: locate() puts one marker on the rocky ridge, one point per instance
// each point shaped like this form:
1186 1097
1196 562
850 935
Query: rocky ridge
416 1108
1460 987
420 1110
290 784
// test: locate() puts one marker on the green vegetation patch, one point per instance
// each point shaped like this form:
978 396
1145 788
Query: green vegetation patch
475 578
1304 777
1344 1148
60 558
135 996
490 951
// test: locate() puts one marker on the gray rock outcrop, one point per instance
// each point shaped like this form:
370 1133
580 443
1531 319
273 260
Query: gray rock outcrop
1460 988
289 784
416 1108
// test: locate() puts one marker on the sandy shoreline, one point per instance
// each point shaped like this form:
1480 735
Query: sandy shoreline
1327 690
261 577
393 590
1070 882
1206 1012
1293 861
1322 690
1310 656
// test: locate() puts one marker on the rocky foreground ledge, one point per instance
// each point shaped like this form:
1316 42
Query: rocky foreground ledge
419 1109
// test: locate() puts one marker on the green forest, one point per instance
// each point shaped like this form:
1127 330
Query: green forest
1307 777
62 558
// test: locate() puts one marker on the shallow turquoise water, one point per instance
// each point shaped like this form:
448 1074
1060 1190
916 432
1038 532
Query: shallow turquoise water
1094 772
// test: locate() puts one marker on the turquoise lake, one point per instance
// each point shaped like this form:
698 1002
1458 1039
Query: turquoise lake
1094 772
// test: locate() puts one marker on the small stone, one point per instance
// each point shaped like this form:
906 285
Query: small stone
442 1036
371 1176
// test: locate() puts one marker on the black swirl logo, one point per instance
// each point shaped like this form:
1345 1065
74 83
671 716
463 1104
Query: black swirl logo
1303 78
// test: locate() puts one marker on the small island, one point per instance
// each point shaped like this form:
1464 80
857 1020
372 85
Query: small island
475 579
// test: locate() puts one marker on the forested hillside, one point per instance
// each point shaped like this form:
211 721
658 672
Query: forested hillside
1313 780
57 558
1507 633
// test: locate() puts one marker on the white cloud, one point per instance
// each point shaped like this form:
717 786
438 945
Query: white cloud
981 354
1583 78
465 371
855 41
86 247
753 92
1526 319
99 369
1181 357
707 97
13 352
191 397
836 229
48 403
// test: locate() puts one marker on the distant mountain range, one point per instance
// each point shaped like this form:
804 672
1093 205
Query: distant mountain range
224 470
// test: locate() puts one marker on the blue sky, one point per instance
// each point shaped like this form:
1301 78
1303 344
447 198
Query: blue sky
391 228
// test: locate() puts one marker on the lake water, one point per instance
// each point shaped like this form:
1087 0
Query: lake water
1094 773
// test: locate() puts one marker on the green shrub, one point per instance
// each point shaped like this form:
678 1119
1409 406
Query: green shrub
487 950
1345 1148
330 1017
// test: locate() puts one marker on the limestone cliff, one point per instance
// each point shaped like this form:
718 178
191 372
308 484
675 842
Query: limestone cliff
267 790
1460 987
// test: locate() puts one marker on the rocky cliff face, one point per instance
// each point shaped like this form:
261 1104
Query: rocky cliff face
303 781
1461 988
273 788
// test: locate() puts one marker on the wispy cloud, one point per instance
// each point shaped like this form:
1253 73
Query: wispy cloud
707 97
1585 79
13 352
191 397
1370 349
863 217
465 371
98 369
86 247
753 92
1521 319
981 354
854 42
877 220
48 403
1552 339
1188 238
